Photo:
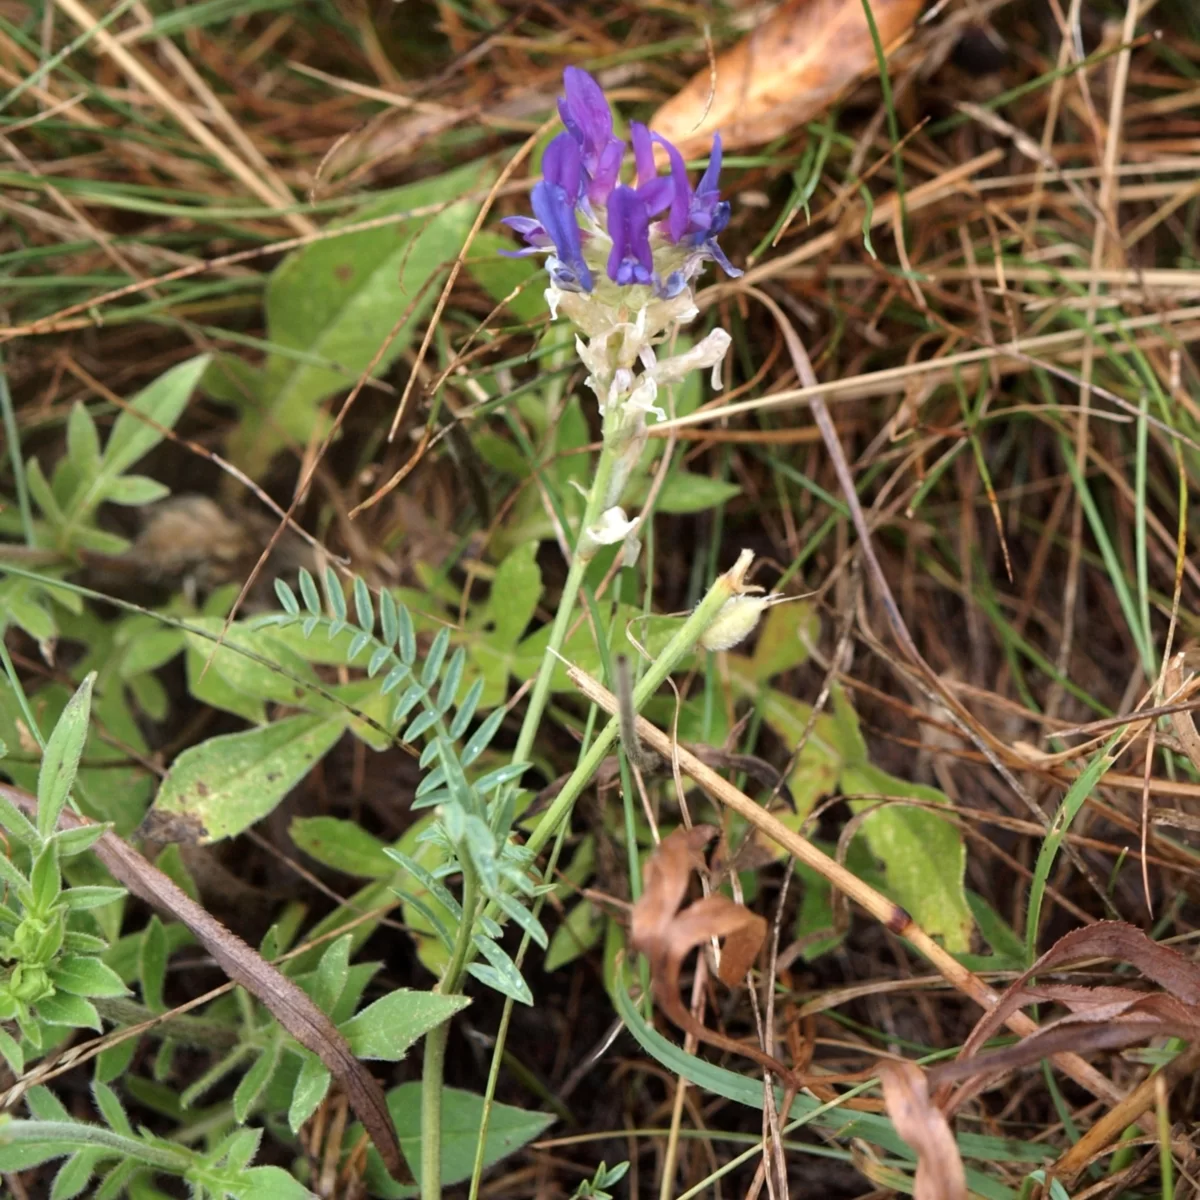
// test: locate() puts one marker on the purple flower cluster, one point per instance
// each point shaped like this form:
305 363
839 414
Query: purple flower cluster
581 206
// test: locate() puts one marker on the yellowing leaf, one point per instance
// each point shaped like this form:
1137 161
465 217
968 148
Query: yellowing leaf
923 854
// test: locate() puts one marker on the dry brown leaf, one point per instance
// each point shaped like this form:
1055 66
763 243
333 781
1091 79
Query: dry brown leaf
1100 1018
940 1174
789 69
666 936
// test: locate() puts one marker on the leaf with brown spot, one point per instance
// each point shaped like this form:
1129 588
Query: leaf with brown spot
666 935
940 1174
789 69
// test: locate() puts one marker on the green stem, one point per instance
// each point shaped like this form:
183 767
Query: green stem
566 609
434 1067
676 649
553 821
84 1135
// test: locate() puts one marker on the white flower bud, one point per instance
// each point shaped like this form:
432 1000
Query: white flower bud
736 621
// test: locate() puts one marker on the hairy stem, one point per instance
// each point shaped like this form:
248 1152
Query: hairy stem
566 609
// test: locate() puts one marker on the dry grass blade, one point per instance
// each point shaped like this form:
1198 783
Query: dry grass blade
940 1174
1182 722
290 1006
790 68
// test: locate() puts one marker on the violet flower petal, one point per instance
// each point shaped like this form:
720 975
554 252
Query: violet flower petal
681 199
562 164
631 260
643 153
556 212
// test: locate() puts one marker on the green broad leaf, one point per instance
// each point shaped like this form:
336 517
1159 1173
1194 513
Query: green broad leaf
337 301
246 660
923 855
342 845
509 1129
209 687
311 1085
91 896
814 918
816 769
145 645
255 1080
579 931
75 841
784 636
134 490
110 1108
231 380
83 975
75 1174
61 760
46 1106
310 1090
331 975
516 591
43 494
219 788
45 881
387 1028
83 442
684 492
500 276
22 1156
64 1009
1006 946
268 1183
152 964
162 403
10 1050
114 1062
238 1150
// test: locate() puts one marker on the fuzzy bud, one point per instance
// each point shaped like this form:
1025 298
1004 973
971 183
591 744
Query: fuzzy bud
736 621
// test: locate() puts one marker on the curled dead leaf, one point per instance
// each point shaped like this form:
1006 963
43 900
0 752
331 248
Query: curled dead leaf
789 69
940 1174
666 935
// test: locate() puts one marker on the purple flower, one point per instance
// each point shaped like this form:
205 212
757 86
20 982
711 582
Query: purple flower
697 216
555 211
629 227
588 119
655 190
554 202
581 179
